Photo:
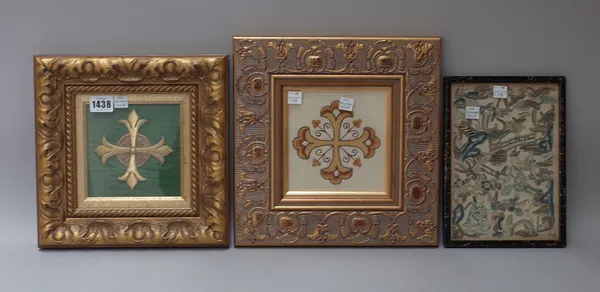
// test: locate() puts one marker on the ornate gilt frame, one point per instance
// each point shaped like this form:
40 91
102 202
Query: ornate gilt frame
64 221
260 218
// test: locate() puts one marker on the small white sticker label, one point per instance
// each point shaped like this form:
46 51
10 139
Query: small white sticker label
102 104
294 97
121 101
472 113
346 104
500 91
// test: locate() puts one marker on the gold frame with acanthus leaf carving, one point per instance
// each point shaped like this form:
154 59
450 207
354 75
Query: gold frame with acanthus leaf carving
265 215
65 218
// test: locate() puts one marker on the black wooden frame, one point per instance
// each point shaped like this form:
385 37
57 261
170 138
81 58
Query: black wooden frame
446 169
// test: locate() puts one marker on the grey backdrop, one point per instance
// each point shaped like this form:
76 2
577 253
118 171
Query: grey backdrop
520 37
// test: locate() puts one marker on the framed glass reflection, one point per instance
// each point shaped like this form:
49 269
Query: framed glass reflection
347 155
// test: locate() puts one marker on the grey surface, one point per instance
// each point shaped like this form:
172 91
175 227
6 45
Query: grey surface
527 37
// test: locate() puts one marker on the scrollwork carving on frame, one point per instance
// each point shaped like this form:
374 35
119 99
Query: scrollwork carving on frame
417 60
60 223
385 56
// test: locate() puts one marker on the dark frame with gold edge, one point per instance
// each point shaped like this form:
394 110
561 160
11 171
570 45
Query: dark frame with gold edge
561 205
195 215
266 213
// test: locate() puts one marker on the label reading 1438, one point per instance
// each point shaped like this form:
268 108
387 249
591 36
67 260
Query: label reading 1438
102 104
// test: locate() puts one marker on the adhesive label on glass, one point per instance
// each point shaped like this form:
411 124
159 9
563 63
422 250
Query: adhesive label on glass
294 97
472 113
500 91
346 104
121 101
102 104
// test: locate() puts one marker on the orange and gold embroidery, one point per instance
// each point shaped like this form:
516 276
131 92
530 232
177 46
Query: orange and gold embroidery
337 142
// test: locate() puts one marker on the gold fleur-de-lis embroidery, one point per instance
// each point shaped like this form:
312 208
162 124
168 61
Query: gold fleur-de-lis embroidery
130 145
336 142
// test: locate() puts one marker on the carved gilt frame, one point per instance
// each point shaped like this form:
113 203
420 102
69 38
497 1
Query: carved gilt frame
262 66
66 217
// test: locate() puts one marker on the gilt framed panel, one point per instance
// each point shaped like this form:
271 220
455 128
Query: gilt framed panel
131 151
505 162
337 141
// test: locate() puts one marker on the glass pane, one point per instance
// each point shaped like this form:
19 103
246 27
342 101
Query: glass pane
134 171
339 151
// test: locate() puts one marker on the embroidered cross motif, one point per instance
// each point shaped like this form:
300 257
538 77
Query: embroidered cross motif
133 150
336 141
